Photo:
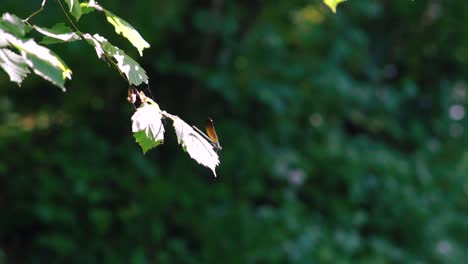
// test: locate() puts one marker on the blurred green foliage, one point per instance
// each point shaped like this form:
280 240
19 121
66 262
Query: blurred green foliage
344 138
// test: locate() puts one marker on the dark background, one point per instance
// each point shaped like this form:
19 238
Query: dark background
344 138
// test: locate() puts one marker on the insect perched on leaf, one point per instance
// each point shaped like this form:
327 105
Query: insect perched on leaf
212 137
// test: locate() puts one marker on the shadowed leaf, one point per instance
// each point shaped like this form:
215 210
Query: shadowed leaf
135 74
75 8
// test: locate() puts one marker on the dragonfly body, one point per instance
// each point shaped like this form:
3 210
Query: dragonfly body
210 135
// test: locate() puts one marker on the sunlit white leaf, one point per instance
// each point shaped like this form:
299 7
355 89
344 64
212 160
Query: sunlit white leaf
14 65
95 41
57 34
13 25
196 145
147 126
3 39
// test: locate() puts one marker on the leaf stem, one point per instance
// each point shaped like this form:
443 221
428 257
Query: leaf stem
166 114
36 12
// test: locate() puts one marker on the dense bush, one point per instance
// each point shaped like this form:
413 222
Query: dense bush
344 139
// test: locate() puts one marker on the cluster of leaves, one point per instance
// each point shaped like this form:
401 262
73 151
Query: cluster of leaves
41 60
346 138
49 66
149 131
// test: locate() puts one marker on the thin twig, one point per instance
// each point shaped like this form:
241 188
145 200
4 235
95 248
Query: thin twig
68 17
36 12
166 114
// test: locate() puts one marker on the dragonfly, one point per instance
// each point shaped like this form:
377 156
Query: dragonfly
210 135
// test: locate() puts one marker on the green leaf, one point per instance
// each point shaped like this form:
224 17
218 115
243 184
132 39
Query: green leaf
41 60
147 127
122 27
46 70
135 74
125 29
14 65
145 143
75 8
332 4
13 25
86 8
59 33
